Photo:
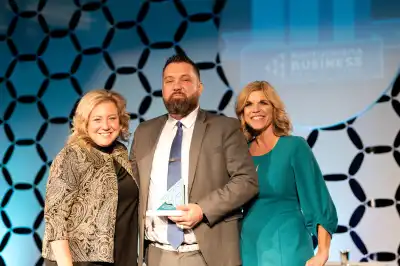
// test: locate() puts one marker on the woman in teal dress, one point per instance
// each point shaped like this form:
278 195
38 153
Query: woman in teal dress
293 202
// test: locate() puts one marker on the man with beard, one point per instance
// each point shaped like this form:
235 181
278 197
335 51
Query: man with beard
198 163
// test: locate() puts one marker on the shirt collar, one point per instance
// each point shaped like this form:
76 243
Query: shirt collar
187 121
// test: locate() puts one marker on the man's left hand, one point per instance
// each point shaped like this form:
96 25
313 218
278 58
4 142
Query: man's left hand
193 214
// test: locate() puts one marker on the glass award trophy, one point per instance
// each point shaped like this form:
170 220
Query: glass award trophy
173 197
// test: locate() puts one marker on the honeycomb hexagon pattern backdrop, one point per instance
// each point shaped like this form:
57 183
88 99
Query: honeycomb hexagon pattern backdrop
52 52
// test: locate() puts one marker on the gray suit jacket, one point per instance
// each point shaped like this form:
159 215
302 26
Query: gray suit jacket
222 178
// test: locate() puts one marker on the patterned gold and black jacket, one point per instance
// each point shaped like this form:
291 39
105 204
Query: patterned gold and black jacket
81 202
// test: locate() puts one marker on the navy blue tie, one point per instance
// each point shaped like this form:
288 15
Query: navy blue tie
175 234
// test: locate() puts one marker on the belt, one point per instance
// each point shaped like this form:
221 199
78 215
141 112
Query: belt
182 248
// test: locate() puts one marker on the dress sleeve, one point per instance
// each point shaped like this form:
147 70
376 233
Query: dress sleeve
315 201
61 190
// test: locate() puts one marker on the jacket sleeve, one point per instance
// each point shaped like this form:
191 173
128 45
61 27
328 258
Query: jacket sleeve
61 191
315 201
243 182
132 156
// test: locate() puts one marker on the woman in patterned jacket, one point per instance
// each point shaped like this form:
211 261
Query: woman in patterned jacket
91 195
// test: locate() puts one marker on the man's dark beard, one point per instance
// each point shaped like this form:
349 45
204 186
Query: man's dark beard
181 106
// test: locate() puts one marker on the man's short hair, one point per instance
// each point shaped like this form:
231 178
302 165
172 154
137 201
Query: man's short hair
182 58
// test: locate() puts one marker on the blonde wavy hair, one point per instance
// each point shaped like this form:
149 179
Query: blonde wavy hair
86 105
281 124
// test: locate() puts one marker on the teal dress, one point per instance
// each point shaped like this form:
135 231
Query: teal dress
293 200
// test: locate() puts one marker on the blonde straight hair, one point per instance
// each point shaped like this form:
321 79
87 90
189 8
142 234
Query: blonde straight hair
281 124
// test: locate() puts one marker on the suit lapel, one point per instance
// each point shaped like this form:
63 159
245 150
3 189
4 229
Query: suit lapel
195 146
146 162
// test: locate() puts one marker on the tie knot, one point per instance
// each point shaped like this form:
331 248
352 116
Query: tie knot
179 124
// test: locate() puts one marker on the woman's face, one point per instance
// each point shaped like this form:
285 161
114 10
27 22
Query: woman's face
257 111
104 126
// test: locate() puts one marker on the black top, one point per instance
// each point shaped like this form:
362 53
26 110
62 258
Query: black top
125 249
125 238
